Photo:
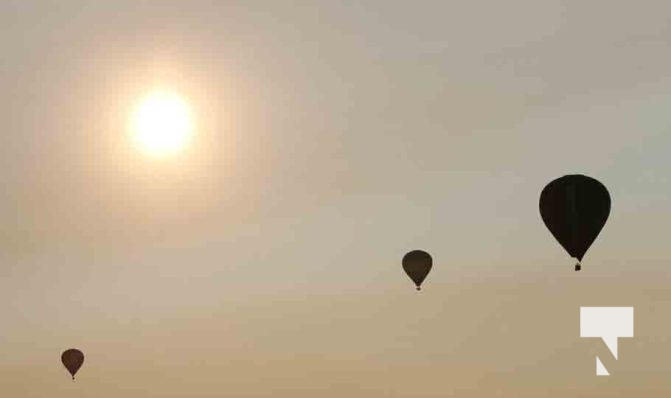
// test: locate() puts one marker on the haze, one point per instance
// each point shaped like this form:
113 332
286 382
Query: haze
332 138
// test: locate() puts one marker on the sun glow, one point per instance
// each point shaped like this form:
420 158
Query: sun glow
162 124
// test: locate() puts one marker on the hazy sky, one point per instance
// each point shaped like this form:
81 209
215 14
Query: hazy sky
332 137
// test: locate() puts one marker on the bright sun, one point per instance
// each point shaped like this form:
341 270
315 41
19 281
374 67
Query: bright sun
162 124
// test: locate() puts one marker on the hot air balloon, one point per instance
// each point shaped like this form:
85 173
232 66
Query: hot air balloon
417 265
72 360
575 208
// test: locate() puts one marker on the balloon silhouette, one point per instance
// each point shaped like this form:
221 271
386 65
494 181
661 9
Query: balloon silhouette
417 265
575 208
72 360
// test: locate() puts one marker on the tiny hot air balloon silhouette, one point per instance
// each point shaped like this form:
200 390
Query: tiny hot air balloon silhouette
417 265
575 208
72 360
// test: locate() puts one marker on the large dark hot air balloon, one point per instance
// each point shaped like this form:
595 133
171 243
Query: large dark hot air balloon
72 360
417 265
575 209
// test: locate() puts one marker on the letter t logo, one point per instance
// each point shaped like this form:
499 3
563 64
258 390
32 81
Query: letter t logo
609 323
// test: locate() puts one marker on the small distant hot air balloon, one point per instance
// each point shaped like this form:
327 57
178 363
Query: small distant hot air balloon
72 360
575 208
417 265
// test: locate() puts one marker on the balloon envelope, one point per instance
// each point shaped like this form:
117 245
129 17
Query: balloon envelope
417 265
72 360
575 208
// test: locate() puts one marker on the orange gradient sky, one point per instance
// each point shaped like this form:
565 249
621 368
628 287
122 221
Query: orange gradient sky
330 138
